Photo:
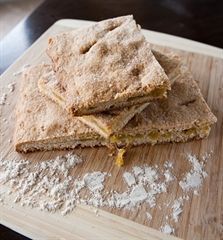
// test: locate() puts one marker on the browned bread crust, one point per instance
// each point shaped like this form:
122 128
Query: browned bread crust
105 66
43 125
110 122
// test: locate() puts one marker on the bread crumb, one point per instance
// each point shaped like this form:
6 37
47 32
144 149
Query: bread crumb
3 99
11 87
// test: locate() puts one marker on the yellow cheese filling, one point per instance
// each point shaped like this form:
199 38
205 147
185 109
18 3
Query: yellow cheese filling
119 161
157 135
92 122
154 136
58 97
154 93
54 94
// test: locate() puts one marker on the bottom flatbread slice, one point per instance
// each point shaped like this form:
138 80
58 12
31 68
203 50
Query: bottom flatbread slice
182 116
42 125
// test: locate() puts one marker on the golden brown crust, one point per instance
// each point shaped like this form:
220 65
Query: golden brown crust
40 119
107 65
42 125
183 108
111 122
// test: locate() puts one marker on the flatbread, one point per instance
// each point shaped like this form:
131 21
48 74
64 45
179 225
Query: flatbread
108 65
43 125
111 122
182 116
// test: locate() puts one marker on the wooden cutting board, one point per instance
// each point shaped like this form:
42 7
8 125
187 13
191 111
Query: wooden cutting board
202 216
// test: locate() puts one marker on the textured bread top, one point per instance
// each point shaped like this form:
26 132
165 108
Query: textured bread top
113 121
109 61
109 122
38 118
183 108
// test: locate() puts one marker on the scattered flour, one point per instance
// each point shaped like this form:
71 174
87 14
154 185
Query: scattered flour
3 99
129 178
45 185
167 229
137 171
11 87
148 216
49 186
21 70
94 181
4 95
177 209
193 179
15 74
143 186
137 195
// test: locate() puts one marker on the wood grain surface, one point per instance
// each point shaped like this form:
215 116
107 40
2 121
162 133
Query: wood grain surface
202 216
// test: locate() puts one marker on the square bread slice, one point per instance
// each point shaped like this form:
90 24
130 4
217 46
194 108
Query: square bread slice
111 122
108 65
42 125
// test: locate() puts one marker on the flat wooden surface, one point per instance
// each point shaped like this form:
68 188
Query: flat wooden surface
202 215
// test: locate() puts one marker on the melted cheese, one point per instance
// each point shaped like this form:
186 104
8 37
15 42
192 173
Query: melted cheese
155 136
120 157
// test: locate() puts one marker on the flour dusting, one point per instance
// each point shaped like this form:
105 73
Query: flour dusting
177 209
149 216
49 186
194 178
129 178
18 73
167 229
3 99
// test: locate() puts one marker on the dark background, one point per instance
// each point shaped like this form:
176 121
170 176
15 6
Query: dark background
199 20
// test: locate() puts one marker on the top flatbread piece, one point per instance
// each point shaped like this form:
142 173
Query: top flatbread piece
107 123
105 65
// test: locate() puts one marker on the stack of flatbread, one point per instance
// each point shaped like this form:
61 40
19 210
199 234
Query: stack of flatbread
106 86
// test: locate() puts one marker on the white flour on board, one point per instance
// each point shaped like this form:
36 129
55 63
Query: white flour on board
11 87
21 70
194 178
129 178
177 209
49 186
149 216
3 98
167 229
